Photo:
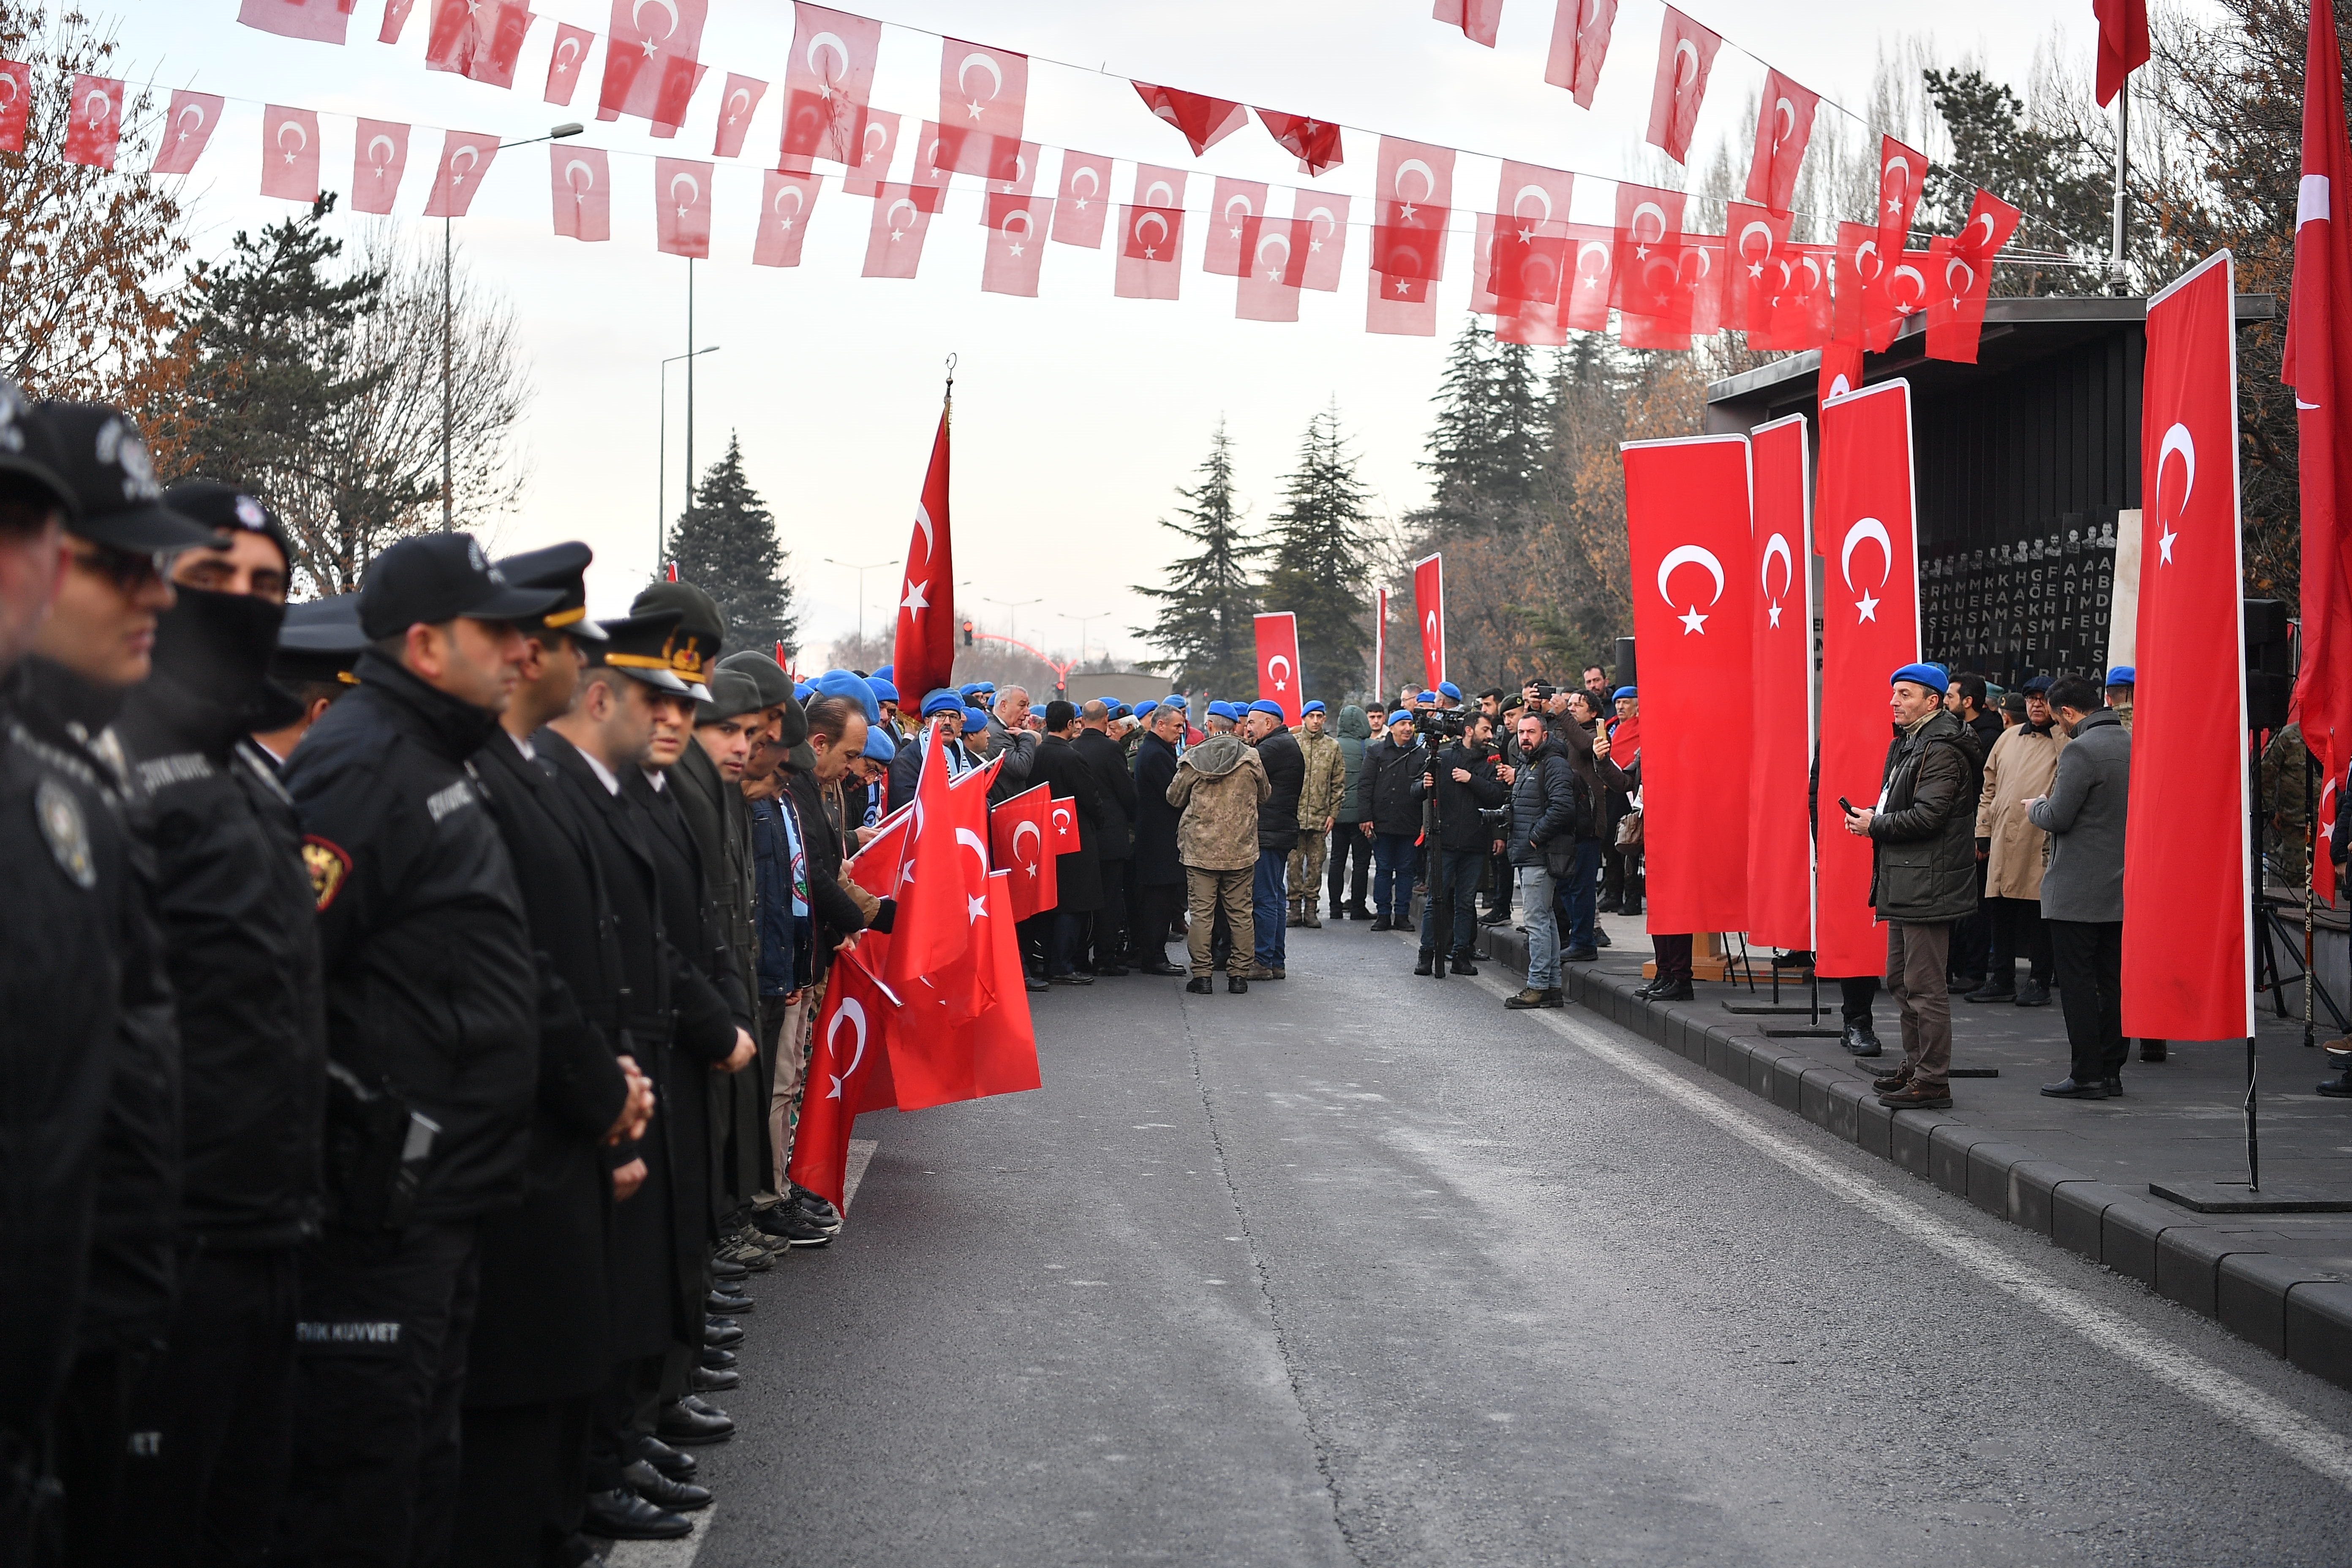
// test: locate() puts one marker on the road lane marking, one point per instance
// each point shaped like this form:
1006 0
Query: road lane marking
861 1154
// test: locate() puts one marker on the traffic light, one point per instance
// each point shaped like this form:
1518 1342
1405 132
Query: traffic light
967 634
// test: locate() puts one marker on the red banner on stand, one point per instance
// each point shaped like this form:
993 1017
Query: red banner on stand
2187 969
1866 513
1780 755
1277 663
1428 611
1687 535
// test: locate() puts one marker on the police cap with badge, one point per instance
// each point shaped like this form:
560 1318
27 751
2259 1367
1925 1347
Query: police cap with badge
227 510
562 568
319 642
440 577
110 479
701 630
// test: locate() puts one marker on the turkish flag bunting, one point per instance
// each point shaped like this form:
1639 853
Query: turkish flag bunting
318 21
651 72
1062 832
682 206
478 40
290 154
567 63
1591 277
1401 307
1580 42
1694 581
1416 190
2123 43
1279 252
1902 174
941 153
1840 369
1861 269
902 217
982 90
94 121
2317 363
1703 274
1531 193
16 104
848 1072
580 187
1078 210
1315 143
1151 258
1902 295
395 17
1278 662
1784 123
1429 610
786 199
187 126
877 135
465 157
933 924
1017 250
737 104
1476 18
2188 962
828 83
1204 121
1526 260
1685 56
1801 300
1327 238
924 640
1870 628
1534 323
1959 277
379 157
1648 241
1780 755
1017 837
1233 204
1756 239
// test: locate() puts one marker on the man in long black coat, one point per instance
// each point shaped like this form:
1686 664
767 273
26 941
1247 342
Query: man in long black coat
1277 832
1079 871
1157 868
1107 760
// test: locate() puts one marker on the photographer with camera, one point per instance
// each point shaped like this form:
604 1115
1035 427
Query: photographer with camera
1460 776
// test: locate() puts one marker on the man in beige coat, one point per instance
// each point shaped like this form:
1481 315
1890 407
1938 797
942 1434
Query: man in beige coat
2017 771
1218 787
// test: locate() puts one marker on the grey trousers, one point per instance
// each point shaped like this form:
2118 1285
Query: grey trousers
1915 956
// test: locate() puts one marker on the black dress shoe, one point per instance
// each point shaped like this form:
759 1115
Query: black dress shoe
661 1490
1673 991
720 1333
683 1426
1861 1042
1111 971
621 1515
1071 979
2114 1086
1163 968
2068 1089
678 1467
722 1269
703 1380
1030 982
817 1210
726 1303
1201 985
717 1359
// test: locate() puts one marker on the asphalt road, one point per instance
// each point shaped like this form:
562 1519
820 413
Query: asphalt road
1362 1269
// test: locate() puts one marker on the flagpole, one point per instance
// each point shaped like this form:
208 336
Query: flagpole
2122 169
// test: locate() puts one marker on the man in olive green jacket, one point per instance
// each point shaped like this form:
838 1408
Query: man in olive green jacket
1319 804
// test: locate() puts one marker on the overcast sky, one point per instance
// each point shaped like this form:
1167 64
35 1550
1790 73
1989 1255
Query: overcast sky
1076 412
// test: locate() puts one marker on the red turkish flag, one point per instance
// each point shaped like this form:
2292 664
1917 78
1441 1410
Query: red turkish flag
1694 580
187 125
828 83
933 925
2187 969
1784 123
924 640
1960 277
1401 307
848 1072
651 67
1800 302
1902 174
1685 56
1003 1040
478 40
944 150
1016 246
982 90
1648 241
1327 238
1780 753
1278 679
290 154
1534 323
682 206
16 104
1526 261
1580 42
94 121
1755 239
379 157
465 157
2123 45
1062 831
1278 252
1861 270
737 104
580 184
1078 210
902 218
1840 369
1233 204
1315 143
1151 258
1201 121
786 198
877 134
1428 611
1533 194
1870 628
1018 840
1904 296
1476 18
1416 190
2317 363
1380 646
318 21
1591 277
395 17
1703 273
567 63
959 991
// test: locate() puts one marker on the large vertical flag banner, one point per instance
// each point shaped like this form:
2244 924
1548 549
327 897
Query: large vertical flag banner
1780 756
1866 511
1687 533
2188 970
1429 612
1277 663
925 648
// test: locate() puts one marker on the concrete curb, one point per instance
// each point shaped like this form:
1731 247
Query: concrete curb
2289 1307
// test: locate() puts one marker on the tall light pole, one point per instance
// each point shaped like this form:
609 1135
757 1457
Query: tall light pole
1082 620
661 455
861 571
448 332
1012 608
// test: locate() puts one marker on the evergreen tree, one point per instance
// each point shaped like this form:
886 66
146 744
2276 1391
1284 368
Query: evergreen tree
1203 625
2062 188
1462 442
1320 558
725 543
1491 435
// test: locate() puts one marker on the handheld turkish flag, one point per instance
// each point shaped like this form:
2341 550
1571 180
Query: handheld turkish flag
1685 56
960 990
932 926
1233 204
1961 276
1870 629
379 157
1325 238
1780 755
2123 44
1278 251
1755 239
478 40
737 104
902 218
682 206
1315 143
290 154
567 63
1016 250
1902 172
465 157
828 82
1416 190
924 640
187 126
1580 42
651 68
1003 1040
317 21
786 199
2317 363
877 139
848 1072
1784 123
1278 662
1150 259
581 189
1476 18
1078 210
94 122
982 90
1429 610
1062 824
1017 837
1591 277
1687 538
1201 121
2187 963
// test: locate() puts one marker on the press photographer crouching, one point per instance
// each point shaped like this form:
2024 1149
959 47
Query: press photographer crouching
1459 748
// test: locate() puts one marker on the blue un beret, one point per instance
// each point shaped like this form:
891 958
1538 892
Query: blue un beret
878 746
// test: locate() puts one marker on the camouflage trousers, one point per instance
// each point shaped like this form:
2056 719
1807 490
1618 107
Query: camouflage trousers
1307 872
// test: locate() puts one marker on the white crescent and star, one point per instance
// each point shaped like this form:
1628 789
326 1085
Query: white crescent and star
1906 307
391 150
854 1011
821 44
1035 832
1869 528
2176 440
1685 64
1690 555
580 191
691 184
303 137
1519 201
1776 545
1282 681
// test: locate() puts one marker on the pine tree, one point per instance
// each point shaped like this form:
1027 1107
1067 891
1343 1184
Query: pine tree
1204 626
1321 557
1462 440
1489 441
726 544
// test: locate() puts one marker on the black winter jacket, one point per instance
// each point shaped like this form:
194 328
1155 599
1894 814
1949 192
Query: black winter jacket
1107 760
1285 771
1392 781
1157 864
1547 806
1923 844
1460 824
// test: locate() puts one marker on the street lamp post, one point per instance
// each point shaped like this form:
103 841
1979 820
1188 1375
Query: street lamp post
1012 608
661 453
861 570
1082 620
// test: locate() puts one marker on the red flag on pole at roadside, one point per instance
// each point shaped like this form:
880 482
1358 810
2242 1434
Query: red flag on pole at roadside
737 103
1003 1040
582 192
1685 56
786 198
1865 512
1780 756
828 79
2123 44
1078 210
1428 611
932 926
319 21
1017 839
379 157
2317 363
682 206
1278 662
1315 143
1580 42
290 154
2188 960
848 1072
1476 18
1784 123
958 991
187 126
93 121
567 62
1201 121
924 640
465 157
1687 535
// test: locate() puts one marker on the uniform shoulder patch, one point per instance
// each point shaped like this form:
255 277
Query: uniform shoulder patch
67 831
328 867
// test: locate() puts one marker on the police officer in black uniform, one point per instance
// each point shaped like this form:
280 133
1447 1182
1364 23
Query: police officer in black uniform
317 644
432 1028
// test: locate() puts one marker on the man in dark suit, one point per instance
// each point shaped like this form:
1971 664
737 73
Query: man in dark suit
1078 872
1107 760
1157 868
